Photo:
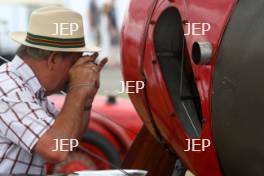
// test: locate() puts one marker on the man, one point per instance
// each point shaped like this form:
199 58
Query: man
47 58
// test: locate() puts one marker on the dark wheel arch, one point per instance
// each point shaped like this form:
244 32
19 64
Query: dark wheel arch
104 145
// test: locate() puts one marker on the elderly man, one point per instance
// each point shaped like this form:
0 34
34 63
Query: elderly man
47 58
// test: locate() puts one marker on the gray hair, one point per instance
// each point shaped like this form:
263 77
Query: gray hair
35 53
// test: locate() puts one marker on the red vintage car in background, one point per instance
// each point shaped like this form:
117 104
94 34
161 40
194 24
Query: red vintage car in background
112 128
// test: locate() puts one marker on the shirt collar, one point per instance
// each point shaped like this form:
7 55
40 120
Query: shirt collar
27 75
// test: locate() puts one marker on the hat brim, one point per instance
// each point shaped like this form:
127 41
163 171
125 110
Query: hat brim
20 37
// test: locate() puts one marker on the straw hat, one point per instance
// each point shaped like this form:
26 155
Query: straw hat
55 29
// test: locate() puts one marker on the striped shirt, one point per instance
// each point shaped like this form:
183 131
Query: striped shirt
25 115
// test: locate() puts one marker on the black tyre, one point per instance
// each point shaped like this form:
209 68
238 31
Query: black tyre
96 139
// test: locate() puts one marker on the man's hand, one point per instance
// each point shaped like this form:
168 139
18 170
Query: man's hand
84 75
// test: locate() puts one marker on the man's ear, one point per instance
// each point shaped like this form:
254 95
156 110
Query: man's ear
51 61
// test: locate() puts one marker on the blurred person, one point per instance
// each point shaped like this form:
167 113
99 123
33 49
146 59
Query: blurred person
113 29
104 30
94 20
110 13
29 122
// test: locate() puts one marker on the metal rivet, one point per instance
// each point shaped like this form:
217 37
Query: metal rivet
184 22
152 22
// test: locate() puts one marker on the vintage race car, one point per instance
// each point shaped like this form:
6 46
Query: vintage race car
112 128
202 64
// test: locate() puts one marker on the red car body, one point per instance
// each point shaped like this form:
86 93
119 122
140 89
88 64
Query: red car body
116 121
140 63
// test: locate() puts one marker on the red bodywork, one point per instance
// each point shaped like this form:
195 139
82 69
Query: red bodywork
117 122
138 54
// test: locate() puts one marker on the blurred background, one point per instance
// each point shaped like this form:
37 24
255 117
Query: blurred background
102 25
